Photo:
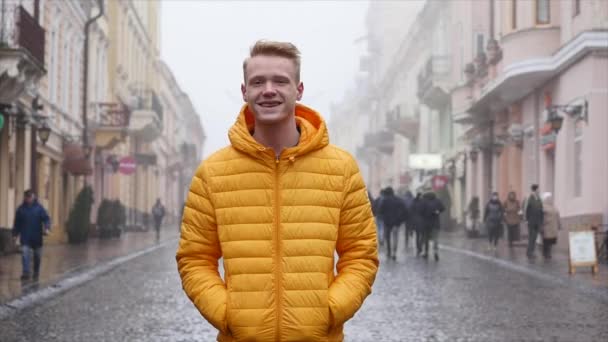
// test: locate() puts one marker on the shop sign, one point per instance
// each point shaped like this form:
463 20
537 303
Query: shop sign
439 182
127 165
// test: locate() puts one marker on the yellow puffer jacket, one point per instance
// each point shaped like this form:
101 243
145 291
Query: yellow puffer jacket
276 223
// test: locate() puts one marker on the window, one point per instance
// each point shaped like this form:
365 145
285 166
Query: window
52 75
543 12
479 46
65 72
576 7
513 14
578 158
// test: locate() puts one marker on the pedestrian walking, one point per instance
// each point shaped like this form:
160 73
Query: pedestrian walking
277 205
30 224
533 209
551 224
432 207
415 216
493 218
473 211
378 216
394 213
158 213
408 200
512 217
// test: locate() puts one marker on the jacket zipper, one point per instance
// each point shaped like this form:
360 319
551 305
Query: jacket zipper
278 276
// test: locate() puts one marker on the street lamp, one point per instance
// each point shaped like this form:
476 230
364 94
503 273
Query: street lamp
44 132
498 148
555 120
473 154
87 149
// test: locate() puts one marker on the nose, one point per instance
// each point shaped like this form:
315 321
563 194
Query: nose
269 89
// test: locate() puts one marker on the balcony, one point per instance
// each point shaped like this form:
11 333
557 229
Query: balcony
21 51
147 116
402 124
110 123
432 81
381 140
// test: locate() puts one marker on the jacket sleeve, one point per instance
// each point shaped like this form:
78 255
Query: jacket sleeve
357 250
198 254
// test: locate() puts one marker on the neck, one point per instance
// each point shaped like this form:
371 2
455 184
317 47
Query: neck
278 136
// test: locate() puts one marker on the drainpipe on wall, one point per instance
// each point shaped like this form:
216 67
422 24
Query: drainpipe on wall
85 123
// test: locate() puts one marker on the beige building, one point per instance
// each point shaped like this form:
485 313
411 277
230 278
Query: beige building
53 35
43 58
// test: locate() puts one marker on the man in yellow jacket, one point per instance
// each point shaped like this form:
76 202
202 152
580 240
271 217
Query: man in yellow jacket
276 205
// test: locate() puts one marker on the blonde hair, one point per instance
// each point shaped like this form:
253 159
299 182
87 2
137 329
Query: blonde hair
274 48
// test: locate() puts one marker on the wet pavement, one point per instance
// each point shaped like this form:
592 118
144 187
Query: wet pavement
61 260
460 298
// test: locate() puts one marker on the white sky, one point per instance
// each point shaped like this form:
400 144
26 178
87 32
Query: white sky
205 42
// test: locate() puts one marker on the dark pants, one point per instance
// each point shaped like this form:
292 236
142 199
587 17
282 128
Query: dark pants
26 255
494 232
431 234
420 237
391 236
533 229
513 233
547 244
409 232
157 223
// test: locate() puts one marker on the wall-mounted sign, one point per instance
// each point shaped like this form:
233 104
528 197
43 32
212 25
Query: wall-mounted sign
425 161
127 165
547 137
439 182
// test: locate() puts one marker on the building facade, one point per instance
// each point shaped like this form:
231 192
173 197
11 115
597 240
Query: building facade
62 128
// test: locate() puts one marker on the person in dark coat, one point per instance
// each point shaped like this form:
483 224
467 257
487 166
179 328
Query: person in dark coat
408 200
158 213
494 215
533 209
431 209
417 221
378 216
393 213
31 223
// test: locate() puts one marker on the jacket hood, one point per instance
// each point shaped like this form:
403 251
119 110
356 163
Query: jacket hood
313 132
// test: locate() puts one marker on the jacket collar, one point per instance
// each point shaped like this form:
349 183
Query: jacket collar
313 133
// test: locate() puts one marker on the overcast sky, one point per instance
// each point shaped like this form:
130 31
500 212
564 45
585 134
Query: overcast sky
205 42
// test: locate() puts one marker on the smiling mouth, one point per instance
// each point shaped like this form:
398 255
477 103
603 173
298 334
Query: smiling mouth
269 104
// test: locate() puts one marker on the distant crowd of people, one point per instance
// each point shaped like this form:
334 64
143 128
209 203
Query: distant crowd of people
419 215
537 210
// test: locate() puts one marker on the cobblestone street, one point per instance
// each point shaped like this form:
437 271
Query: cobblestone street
460 298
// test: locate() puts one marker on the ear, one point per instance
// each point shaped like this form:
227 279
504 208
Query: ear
300 89
244 91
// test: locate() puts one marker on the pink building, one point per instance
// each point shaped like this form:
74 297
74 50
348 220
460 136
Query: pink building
545 62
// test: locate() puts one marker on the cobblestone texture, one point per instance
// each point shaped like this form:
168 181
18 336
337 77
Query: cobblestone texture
460 298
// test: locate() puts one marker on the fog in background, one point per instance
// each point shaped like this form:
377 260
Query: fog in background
205 42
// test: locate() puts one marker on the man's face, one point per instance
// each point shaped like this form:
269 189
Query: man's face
271 89
29 199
